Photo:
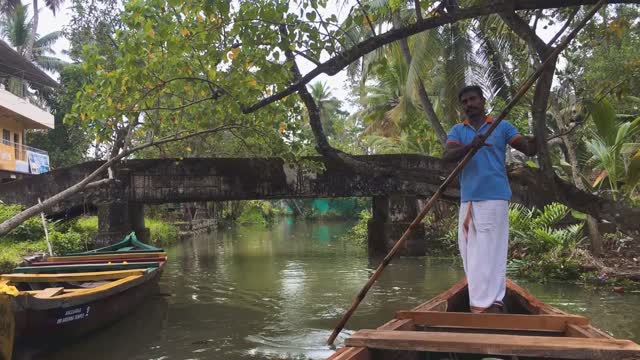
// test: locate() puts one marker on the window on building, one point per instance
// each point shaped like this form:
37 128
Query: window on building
16 143
6 136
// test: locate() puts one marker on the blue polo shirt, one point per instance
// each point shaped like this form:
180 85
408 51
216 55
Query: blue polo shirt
485 175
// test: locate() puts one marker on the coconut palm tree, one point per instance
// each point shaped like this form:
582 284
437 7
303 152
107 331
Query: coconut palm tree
16 27
437 62
30 43
328 105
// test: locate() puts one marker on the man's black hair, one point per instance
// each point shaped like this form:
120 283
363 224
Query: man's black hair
470 88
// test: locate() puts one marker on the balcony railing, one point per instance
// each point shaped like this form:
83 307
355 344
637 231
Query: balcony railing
27 109
22 158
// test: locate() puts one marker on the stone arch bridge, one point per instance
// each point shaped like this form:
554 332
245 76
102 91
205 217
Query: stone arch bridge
155 181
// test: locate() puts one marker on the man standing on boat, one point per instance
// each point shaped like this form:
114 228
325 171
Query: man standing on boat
483 223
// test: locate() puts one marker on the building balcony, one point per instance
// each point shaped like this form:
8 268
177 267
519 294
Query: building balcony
15 157
23 111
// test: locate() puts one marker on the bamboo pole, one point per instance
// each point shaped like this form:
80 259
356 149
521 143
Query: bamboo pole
46 232
416 222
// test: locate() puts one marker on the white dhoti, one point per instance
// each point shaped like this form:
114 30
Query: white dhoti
483 238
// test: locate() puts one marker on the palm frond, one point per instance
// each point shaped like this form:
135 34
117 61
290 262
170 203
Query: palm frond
551 214
7 6
427 47
50 63
16 26
604 117
54 5
47 40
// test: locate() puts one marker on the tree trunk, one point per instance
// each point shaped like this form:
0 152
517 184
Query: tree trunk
31 36
499 77
595 238
539 115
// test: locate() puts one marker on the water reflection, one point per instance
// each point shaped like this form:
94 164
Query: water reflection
255 293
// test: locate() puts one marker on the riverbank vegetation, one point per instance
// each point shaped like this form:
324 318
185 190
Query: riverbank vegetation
265 212
65 236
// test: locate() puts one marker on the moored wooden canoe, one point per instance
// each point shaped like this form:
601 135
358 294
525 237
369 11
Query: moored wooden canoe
84 267
443 328
71 295
107 260
129 244
129 250
43 309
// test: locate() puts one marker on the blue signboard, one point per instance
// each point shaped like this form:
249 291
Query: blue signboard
38 163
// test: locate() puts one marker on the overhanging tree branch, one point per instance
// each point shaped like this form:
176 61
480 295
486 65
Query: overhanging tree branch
343 59
522 29
564 27
21 217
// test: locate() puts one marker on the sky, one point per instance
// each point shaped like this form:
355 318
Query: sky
47 23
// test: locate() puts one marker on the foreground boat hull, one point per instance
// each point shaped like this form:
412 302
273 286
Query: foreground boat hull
40 328
443 328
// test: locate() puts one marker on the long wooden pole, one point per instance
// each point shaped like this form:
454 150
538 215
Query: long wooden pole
46 232
416 222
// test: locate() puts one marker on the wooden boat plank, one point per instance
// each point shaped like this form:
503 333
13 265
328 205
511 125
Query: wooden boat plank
539 306
398 324
67 301
358 353
98 261
509 345
83 296
49 292
89 276
436 302
99 289
455 329
493 321
103 256
84 267
35 292
351 353
585 332
137 251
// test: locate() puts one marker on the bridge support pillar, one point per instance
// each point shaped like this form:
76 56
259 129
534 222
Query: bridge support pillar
118 218
136 218
392 215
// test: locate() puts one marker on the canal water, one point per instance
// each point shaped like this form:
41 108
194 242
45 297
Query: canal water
277 293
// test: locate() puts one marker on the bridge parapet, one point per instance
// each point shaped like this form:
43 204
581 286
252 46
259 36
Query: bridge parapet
155 181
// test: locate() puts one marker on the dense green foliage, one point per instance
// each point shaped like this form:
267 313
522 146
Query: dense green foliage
359 232
29 238
256 212
66 144
543 243
31 230
162 232
65 237
542 247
